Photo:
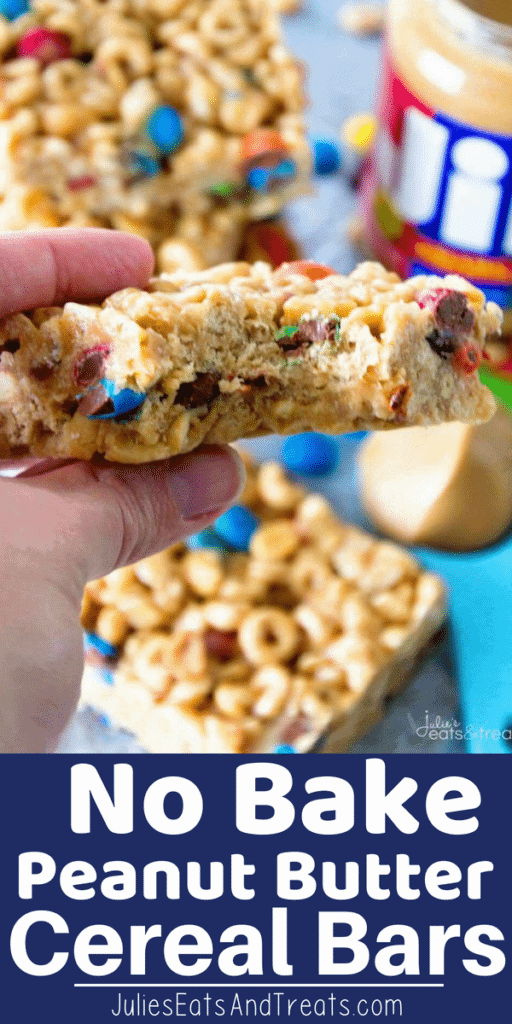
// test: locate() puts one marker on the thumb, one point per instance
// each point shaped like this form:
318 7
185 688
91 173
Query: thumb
62 526
84 519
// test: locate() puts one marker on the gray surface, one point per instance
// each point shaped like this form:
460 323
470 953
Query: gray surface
341 82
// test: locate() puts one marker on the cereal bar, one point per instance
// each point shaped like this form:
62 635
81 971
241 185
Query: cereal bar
240 351
175 120
297 628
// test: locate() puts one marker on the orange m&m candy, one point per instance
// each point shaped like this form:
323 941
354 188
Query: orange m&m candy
260 143
308 268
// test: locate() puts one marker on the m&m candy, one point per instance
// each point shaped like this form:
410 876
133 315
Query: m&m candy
357 137
165 129
354 438
261 143
236 527
141 165
310 454
12 9
206 539
261 179
96 643
326 156
44 45
103 401
107 676
308 268
223 189
285 748
269 240
358 131
81 182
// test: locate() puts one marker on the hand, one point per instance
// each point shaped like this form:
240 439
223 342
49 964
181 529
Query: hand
63 523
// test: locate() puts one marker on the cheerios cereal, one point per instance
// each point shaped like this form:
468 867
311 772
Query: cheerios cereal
205 648
181 122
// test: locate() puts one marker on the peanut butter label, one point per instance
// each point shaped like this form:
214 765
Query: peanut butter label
439 194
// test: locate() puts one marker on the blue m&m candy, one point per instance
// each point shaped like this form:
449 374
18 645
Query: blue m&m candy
237 526
12 9
96 643
326 156
354 438
165 129
206 539
141 165
260 179
285 748
121 401
311 454
107 676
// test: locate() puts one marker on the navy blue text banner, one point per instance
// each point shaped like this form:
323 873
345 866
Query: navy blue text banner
255 888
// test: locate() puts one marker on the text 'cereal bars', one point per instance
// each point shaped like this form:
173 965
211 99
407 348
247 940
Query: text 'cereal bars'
239 351
179 120
301 634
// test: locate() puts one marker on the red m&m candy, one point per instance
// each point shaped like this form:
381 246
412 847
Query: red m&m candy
268 241
45 45
81 182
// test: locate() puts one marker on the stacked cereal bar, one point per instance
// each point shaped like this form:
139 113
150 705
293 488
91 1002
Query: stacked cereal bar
238 351
278 626
180 120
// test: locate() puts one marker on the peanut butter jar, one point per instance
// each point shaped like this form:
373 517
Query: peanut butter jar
437 194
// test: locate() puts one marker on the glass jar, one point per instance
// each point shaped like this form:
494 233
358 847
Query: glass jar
437 195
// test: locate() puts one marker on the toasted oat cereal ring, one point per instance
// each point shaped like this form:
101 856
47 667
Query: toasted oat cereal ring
111 627
203 570
309 572
275 540
308 268
223 25
233 699
276 489
271 686
268 636
261 142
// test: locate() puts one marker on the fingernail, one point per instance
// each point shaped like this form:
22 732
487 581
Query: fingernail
31 466
206 481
